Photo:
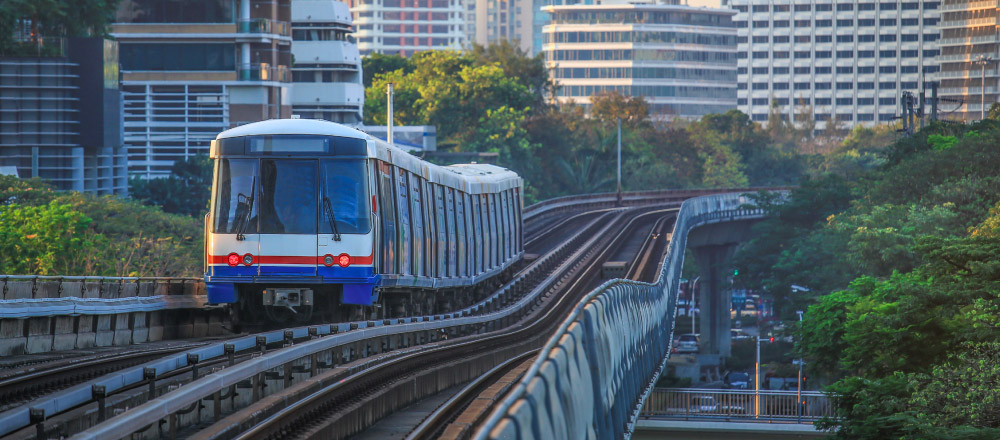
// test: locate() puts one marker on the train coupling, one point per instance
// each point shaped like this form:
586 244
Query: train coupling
289 298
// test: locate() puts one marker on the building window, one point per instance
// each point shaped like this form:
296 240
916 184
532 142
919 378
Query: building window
908 85
743 40
780 55
822 70
802 70
845 38
760 86
741 86
780 23
866 86
175 11
911 6
909 22
780 38
824 38
780 70
887 54
865 101
822 101
845 116
824 23
845 101
802 23
760 101
741 71
760 54
909 69
779 86
177 56
760 8
845 54
866 6
845 69
887 69
741 101
910 37
931 69
780 8
931 21
866 38
802 86
863 22
887 85
931 5
781 101
931 53
887 101
821 86
887 38
803 38
866 69
823 54
886 6
886 117
761 23
801 54
760 117
845 7
803 8
824 7
930 37
845 23
845 86
760 70
760 39
887 22
866 117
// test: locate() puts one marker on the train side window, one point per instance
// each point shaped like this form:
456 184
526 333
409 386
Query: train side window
405 234
507 225
386 210
460 221
449 210
517 221
416 216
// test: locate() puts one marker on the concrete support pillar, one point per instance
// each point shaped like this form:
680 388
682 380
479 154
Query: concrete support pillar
714 298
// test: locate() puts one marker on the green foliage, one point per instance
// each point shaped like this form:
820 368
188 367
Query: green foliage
52 19
186 191
939 142
46 232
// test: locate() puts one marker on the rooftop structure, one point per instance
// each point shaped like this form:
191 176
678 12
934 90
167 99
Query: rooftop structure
327 70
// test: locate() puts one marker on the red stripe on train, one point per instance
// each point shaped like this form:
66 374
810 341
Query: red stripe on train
279 259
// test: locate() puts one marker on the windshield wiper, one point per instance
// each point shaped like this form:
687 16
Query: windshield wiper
328 209
248 202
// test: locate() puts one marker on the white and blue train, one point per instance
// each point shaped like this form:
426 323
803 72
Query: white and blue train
311 216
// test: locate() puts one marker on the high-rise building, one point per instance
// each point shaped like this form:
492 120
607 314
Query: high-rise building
193 68
327 71
60 115
970 50
850 60
408 26
681 59
510 20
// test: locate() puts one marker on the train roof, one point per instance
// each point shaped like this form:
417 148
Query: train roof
470 178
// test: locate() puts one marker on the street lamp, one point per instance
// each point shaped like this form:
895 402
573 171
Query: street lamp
756 381
983 60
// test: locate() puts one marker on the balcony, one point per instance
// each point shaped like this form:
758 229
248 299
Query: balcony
970 6
263 26
264 72
968 23
964 41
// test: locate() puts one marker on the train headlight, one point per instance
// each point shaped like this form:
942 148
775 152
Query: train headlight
328 260
344 260
247 259
233 259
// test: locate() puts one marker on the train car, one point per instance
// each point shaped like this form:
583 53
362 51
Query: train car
312 216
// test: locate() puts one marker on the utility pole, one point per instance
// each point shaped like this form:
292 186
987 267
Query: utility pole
388 122
798 395
756 381
619 161
934 101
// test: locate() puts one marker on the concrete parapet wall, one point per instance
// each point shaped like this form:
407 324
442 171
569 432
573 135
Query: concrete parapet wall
37 314
591 378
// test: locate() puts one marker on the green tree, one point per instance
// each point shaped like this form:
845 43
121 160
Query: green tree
186 191
49 239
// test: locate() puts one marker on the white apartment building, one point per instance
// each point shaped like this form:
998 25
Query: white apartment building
849 59
511 20
326 75
681 59
408 26
970 50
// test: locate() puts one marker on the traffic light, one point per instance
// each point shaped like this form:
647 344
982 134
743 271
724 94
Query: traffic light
736 272
772 338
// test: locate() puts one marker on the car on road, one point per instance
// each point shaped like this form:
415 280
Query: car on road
737 380
688 343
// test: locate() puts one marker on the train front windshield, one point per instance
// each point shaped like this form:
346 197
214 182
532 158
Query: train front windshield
292 196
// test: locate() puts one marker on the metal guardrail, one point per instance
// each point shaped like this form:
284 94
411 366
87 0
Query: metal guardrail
628 198
592 376
736 405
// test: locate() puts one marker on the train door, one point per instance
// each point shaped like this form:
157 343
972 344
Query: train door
430 235
388 216
442 233
288 205
404 239
461 250
416 217
506 226
479 250
491 203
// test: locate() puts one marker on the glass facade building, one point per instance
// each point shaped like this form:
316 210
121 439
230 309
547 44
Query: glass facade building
681 59
193 68
60 117
970 56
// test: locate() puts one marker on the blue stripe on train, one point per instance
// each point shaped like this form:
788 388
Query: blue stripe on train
335 272
359 281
